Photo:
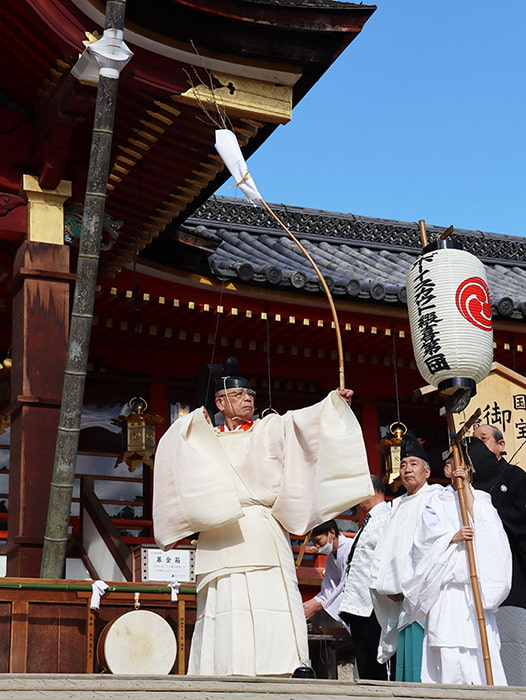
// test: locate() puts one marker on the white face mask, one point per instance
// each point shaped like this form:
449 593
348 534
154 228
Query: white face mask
325 549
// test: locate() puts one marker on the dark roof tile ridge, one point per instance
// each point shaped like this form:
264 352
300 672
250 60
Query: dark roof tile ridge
430 228
385 234
314 4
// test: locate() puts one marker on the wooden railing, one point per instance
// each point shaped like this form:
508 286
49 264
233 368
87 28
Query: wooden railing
91 505
49 627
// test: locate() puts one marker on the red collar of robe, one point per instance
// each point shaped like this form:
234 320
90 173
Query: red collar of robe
244 426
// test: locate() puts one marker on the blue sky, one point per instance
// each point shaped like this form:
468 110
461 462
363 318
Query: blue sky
422 117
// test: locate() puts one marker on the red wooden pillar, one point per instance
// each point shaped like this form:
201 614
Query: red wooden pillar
41 291
371 434
159 405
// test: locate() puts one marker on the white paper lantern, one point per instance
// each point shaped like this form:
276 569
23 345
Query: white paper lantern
450 318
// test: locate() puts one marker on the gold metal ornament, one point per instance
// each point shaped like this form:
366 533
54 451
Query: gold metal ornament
391 449
138 434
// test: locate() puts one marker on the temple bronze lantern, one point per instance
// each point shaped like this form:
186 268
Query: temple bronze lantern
391 448
138 433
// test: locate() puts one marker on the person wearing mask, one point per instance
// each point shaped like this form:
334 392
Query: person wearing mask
356 608
328 540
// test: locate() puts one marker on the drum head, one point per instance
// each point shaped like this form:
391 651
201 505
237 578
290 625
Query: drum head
138 642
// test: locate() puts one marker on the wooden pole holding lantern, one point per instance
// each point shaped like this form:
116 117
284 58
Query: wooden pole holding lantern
448 304
423 233
475 584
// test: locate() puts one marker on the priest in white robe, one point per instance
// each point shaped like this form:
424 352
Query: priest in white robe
437 584
244 487
399 636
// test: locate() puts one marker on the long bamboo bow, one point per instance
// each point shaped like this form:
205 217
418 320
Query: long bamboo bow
228 148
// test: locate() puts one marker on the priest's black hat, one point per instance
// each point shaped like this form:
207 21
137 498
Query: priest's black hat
411 447
224 383
486 467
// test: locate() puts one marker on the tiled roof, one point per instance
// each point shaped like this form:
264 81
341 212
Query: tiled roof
360 257
323 4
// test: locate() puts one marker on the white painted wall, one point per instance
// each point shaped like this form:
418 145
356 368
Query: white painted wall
98 553
76 571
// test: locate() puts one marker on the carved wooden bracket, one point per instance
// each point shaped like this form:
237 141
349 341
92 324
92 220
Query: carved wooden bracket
8 202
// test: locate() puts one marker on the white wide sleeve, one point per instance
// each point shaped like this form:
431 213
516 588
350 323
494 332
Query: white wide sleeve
325 468
330 595
431 558
492 551
193 488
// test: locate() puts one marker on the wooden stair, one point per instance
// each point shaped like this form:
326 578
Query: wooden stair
119 687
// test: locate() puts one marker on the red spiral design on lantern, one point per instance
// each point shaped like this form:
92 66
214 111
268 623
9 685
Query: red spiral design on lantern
472 300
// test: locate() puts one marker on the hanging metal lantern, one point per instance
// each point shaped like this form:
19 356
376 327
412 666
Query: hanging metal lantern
450 318
391 449
138 434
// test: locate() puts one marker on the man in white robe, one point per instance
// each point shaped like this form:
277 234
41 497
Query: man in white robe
244 488
356 608
328 540
437 584
391 559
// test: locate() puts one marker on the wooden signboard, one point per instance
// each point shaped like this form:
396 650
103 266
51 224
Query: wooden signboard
152 564
502 399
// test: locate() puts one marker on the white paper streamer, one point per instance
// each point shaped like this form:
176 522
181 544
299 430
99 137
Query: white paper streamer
98 589
228 148
174 585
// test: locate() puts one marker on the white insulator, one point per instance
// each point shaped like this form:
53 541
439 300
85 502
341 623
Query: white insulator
450 317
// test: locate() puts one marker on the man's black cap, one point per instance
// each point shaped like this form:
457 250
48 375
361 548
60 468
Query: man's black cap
224 383
411 447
